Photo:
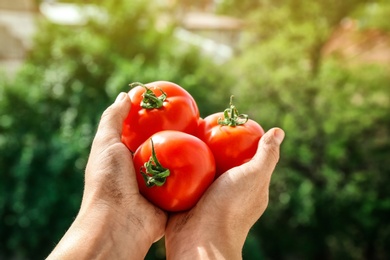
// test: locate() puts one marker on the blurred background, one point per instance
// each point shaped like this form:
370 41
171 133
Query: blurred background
318 69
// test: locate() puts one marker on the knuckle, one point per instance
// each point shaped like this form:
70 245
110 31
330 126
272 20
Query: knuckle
272 153
271 148
106 113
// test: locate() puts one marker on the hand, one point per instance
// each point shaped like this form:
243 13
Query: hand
216 228
115 221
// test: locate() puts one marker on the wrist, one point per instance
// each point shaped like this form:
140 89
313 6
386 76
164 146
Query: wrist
204 241
101 234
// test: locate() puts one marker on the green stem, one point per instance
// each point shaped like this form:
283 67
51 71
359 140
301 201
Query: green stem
150 100
231 117
153 172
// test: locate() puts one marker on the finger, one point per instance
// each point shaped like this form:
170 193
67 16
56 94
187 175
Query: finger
267 155
110 127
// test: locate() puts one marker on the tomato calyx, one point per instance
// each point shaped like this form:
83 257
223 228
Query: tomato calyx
153 172
231 117
150 100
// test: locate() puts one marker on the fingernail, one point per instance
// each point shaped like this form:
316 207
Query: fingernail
279 135
120 97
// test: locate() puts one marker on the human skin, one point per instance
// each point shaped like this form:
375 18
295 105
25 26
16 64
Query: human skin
216 228
115 221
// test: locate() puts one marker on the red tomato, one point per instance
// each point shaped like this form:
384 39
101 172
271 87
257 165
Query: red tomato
180 172
158 106
232 138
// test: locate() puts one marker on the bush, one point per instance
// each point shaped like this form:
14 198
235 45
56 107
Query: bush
51 110
329 196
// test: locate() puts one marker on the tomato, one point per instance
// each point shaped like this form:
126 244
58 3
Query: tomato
158 106
174 169
233 138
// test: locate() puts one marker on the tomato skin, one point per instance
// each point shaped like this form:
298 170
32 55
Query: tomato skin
191 165
179 112
231 145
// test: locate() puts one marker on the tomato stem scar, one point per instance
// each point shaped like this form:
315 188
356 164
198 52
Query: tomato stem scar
153 172
231 117
150 100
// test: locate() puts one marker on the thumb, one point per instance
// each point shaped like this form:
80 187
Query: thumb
110 127
267 155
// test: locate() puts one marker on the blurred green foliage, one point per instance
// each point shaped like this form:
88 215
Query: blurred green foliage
329 196
49 113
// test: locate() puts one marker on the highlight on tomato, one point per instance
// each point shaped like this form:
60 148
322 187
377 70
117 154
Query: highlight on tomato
232 137
158 106
174 169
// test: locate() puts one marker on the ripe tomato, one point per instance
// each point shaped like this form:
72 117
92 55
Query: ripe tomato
233 138
158 106
174 169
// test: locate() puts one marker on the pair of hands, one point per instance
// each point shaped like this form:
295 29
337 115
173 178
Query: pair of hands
116 222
